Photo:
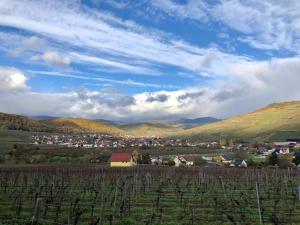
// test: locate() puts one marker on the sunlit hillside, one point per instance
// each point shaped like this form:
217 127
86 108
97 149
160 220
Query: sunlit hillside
16 122
152 129
276 121
76 125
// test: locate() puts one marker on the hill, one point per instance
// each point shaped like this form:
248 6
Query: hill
65 125
189 123
42 117
275 122
76 125
164 128
151 129
16 122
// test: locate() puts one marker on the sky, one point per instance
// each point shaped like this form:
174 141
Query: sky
147 59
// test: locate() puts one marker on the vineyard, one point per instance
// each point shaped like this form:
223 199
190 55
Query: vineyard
148 195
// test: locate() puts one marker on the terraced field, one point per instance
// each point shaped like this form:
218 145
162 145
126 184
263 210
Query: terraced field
147 195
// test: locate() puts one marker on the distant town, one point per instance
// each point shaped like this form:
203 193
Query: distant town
88 141
224 153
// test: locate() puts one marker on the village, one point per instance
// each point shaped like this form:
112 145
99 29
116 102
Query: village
282 154
88 141
131 151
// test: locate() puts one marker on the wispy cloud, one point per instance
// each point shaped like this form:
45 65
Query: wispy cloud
268 24
195 10
122 82
103 39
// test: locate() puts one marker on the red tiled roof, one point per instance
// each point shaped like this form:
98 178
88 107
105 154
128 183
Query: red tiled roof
120 157
189 158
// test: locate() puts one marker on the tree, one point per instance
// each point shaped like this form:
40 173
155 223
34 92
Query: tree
223 141
144 159
273 158
251 163
171 163
296 159
241 155
199 161
285 161
230 143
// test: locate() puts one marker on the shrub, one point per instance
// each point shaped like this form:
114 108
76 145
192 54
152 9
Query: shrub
171 163
285 161
199 161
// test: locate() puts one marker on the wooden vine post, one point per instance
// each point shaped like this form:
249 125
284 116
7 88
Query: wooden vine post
35 215
258 204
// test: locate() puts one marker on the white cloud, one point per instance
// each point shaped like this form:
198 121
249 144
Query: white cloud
109 64
12 80
53 58
268 24
34 43
103 39
251 85
195 10
128 82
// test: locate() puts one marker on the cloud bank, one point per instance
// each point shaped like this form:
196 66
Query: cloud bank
256 84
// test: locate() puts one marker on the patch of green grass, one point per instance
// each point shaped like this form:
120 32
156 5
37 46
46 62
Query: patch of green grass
8 138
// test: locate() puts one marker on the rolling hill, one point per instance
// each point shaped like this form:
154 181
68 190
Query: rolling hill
76 125
64 125
151 129
16 122
189 123
275 122
164 128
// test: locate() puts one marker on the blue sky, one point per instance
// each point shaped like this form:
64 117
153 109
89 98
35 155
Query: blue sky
144 60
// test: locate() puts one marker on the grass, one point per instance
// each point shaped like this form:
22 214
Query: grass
8 138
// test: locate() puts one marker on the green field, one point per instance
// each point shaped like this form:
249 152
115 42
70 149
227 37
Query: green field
147 195
8 138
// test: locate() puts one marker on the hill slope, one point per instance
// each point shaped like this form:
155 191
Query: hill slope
151 129
16 122
65 125
76 125
274 122
164 128
189 123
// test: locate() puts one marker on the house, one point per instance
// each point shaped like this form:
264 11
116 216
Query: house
122 159
190 159
207 158
179 160
217 158
156 160
284 151
226 159
287 144
238 163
